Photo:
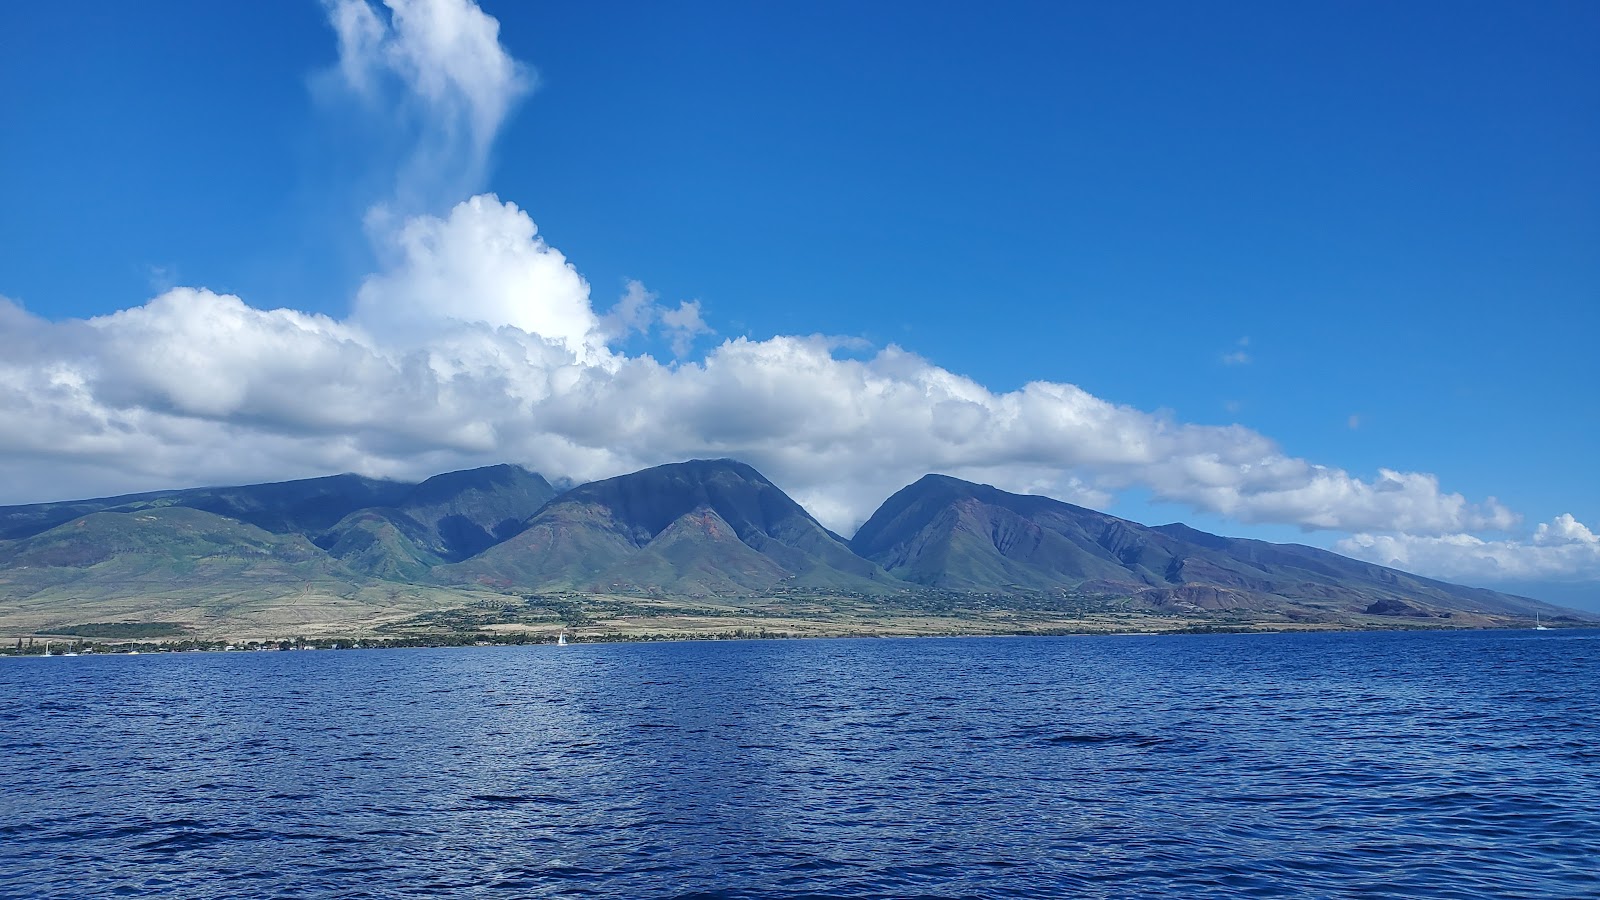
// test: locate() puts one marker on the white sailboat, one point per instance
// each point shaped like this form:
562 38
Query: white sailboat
562 640
1537 626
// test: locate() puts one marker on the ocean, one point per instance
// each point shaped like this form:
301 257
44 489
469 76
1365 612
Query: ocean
1460 765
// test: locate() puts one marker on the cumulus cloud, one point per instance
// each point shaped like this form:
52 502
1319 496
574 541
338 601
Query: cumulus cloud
484 263
480 342
1563 549
1564 531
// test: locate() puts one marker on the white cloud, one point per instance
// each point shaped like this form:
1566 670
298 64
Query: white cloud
633 313
1563 549
362 33
479 342
436 70
483 263
637 312
683 325
1564 531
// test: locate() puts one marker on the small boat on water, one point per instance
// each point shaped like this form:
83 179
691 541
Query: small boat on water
1539 626
561 641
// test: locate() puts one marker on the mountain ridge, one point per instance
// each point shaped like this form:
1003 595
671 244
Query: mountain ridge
709 529
939 529
639 532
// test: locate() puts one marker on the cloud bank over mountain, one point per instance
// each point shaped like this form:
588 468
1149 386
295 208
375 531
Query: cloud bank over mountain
478 342
1563 549
481 343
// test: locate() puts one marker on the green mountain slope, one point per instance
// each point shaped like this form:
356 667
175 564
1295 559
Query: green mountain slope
205 571
169 546
384 543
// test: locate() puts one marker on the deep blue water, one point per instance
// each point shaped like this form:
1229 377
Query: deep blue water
1346 765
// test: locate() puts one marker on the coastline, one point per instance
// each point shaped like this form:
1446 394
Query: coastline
1130 626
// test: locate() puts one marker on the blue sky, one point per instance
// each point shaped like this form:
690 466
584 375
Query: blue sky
1367 233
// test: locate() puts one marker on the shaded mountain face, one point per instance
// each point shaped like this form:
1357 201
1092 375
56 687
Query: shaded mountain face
308 506
468 512
295 507
445 519
693 528
946 533
17 522
383 528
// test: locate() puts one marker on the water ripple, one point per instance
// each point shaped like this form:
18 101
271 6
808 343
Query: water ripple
1379 765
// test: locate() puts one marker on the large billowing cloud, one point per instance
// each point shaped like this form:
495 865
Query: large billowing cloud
484 263
476 342
480 342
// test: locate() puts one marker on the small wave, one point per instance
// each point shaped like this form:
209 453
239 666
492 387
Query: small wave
1134 740
548 799
194 840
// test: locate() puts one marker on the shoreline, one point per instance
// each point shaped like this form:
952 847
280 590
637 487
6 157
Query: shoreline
350 642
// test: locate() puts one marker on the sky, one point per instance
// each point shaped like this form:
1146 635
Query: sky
1326 273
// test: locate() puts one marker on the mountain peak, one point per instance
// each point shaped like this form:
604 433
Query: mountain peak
709 468
448 485
947 533
673 526
651 499
934 492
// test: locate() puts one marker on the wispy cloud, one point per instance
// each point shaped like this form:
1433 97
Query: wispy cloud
638 312
435 71
1239 355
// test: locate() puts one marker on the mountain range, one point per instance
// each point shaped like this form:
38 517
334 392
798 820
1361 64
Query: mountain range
697 529
946 533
